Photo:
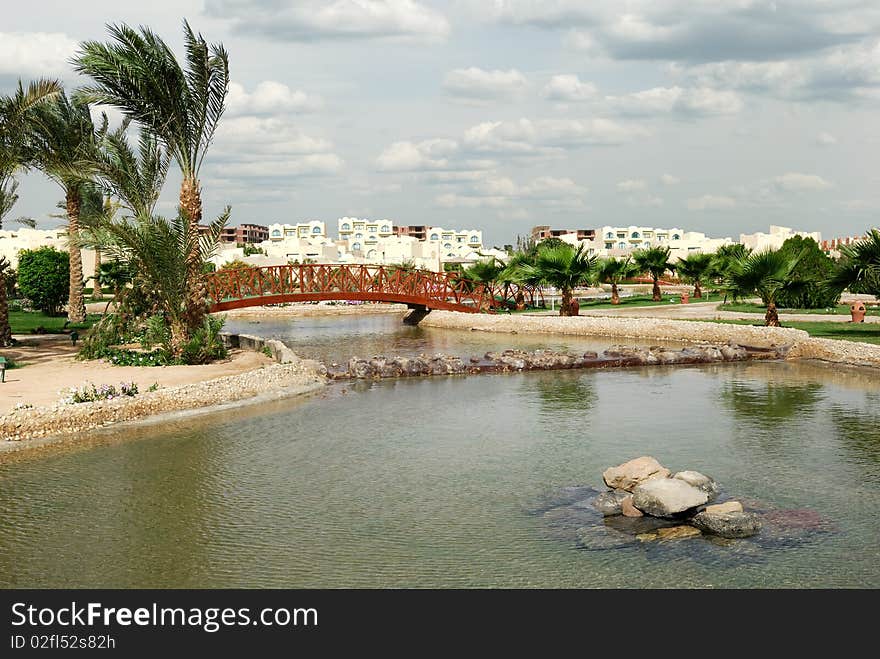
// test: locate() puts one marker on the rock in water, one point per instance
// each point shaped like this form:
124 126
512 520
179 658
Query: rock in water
628 509
726 507
699 481
628 475
666 496
728 525
608 503
669 533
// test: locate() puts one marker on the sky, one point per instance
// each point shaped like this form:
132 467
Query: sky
721 116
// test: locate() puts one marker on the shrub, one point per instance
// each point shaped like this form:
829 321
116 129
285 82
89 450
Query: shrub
89 392
813 270
44 278
206 345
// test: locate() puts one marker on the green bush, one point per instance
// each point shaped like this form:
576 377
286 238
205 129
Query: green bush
206 345
156 332
44 278
813 270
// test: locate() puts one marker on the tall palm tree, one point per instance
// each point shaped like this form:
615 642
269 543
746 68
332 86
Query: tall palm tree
5 329
655 261
859 267
14 113
765 274
696 268
563 267
613 271
138 73
63 143
723 260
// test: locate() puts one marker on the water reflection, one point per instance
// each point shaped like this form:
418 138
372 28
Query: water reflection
756 402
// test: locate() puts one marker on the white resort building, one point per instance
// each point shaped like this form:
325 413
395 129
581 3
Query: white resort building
12 242
760 241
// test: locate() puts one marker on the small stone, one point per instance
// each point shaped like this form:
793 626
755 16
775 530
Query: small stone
726 507
628 475
608 503
667 496
677 532
628 509
728 525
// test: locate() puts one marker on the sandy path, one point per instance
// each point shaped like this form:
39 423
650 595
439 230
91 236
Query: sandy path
50 367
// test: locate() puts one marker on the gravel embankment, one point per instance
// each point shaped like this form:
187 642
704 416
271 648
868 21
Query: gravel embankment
651 329
298 377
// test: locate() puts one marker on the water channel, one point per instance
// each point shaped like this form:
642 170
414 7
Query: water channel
446 482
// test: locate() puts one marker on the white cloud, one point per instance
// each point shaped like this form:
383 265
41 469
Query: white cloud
710 202
313 164
566 87
476 83
826 139
795 181
701 101
669 179
33 54
269 97
546 136
313 20
646 201
417 156
498 192
631 185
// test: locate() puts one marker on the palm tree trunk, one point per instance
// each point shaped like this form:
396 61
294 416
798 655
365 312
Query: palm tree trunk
656 297
5 329
191 204
771 318
615 294
97 293
565 305
76 305
698 292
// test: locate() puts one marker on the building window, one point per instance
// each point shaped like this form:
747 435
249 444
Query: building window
636 234
621 245
609 235
385 229
359 236
355 246
373 229
371 254
346 226
609 245
276 232
434 236
675 236
474 239
448 245
316 230
460 239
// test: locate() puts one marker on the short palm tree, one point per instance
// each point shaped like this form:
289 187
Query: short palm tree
655 261
859 267
564 268
5 329
696 268
485 272
765 274
613 271
14 113
63 143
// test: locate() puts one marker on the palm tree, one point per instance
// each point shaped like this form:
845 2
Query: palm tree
766 274
654 260
563 267
695 268
63 143
613 271
158 253
723 260
859 267
5 329
138 73
14 113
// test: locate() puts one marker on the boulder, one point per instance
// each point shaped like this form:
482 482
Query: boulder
728 525
628 509
726 507
669 533
664 497
608 503
699 481
628 475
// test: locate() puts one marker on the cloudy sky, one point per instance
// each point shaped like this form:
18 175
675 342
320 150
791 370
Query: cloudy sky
722 116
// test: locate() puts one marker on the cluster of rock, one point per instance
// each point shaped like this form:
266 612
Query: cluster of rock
543 360
645 487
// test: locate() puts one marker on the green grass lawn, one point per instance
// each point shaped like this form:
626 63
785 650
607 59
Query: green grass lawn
628 302
23 322
751 307
862 332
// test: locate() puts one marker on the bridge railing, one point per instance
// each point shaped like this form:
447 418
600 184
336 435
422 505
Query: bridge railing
235 286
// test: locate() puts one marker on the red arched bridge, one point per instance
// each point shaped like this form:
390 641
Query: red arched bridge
234 288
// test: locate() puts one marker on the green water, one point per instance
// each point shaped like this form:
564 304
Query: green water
436 483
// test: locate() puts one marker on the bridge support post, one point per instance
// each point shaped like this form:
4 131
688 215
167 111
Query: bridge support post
417 313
